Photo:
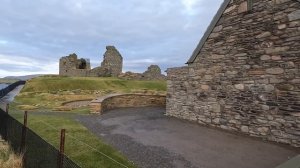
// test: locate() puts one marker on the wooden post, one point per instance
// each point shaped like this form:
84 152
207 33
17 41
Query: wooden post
24 132
7 108
61 149
5 136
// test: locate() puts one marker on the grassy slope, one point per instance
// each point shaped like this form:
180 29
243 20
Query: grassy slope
48 92
54 84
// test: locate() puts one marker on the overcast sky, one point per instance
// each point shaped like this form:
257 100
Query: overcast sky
35 34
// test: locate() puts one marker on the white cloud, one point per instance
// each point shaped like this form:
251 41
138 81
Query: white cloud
36 67
3 42
190 6
36 34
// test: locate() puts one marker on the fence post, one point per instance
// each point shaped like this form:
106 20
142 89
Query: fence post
62 148
5 126
7 107
24 132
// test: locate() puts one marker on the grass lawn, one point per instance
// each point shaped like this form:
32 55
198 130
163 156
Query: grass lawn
42 95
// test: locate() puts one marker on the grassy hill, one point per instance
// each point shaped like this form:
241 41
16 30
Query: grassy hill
44 95
56 83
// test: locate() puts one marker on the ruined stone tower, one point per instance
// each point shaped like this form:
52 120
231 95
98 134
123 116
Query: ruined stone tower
112 61
72 66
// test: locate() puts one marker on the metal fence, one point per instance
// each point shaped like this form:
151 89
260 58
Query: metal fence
36 152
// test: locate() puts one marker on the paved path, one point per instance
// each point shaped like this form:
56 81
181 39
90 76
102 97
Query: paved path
150 139
10 97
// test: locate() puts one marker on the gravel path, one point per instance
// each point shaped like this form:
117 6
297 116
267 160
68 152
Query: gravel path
77 104
150 139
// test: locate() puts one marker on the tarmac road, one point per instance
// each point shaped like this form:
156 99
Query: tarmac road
150 139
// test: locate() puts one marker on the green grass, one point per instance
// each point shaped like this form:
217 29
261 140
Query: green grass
49 92
81 146
54 84
44 94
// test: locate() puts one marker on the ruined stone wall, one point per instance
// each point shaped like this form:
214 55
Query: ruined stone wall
152 73
72 66
111 65
112 61
246 77
114 101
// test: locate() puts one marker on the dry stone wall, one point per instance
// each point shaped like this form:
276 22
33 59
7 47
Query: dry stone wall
246 77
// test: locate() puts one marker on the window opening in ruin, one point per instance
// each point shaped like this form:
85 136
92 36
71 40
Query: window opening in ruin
250 5
82 64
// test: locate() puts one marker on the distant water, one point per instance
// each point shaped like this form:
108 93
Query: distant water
3 85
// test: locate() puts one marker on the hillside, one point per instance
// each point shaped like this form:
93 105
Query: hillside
56 83
49 93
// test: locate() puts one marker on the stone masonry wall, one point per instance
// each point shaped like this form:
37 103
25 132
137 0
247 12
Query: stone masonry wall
112 61
152 73
113 101
246 77
111 66
72 66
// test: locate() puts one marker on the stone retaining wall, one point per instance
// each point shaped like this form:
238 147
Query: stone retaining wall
113 101
246 77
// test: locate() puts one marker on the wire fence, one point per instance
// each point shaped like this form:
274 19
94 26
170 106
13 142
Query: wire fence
36 151
88 148
40 152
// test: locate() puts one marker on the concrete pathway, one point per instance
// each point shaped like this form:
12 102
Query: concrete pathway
150 139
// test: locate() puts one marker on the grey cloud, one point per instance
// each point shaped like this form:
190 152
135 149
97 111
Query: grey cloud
157 29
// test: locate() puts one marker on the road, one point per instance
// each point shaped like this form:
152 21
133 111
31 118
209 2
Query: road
150 139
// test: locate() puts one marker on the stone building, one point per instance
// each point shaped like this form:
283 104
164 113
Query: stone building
111 66
244 74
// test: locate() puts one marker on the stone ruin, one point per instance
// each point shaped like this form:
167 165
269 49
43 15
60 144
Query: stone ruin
152 73
111 66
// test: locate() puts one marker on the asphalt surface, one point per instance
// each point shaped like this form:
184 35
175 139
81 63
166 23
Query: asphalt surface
152 140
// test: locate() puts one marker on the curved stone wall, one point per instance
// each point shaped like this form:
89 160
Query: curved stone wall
113 101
